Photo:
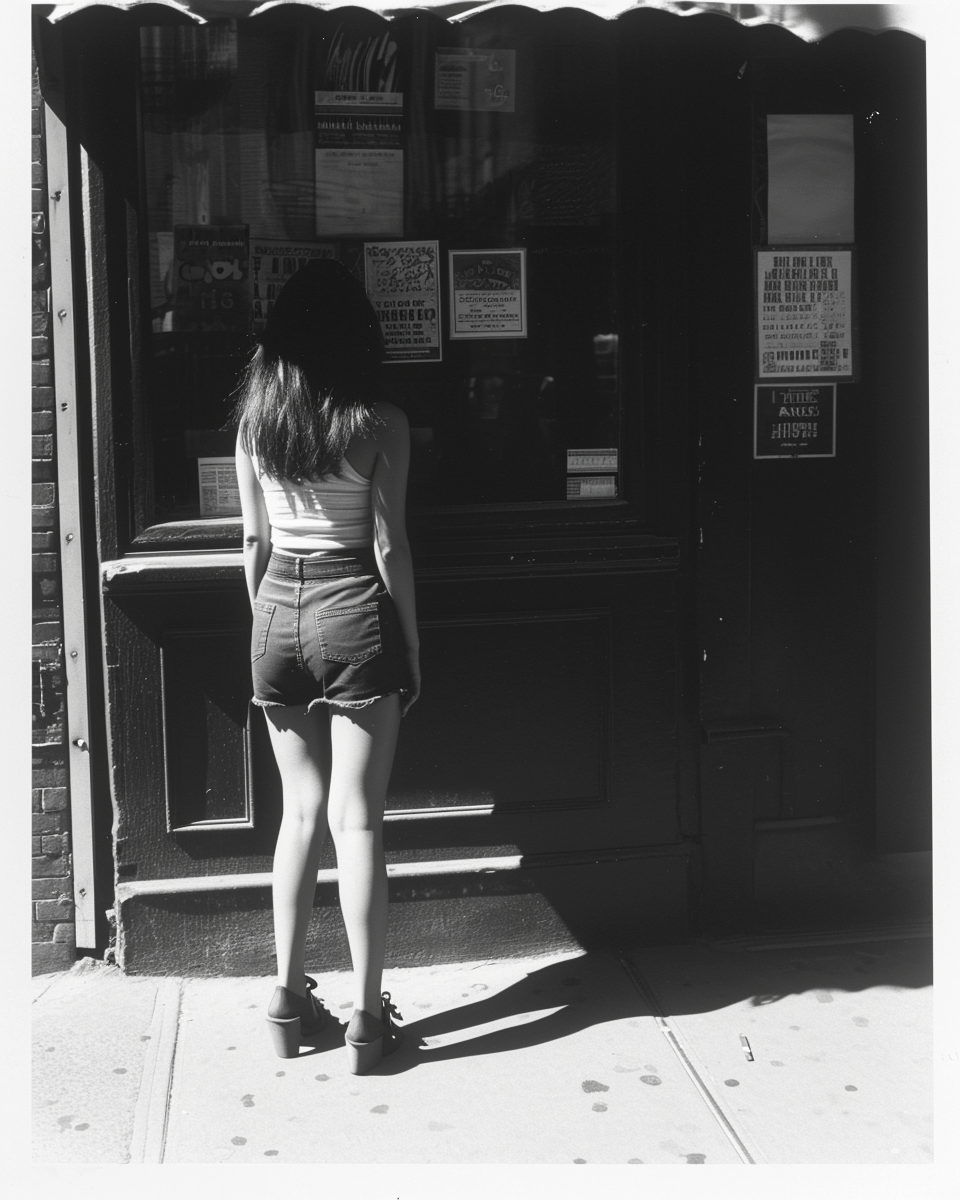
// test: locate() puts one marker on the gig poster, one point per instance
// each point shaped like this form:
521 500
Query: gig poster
359 163
402 280
272 262
805 314
210 286
488 293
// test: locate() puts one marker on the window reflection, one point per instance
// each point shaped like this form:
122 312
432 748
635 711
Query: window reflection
508 141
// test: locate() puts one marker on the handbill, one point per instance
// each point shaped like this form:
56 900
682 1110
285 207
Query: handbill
591 487
804 314
272 262
403 284
219 490
488 293
359 163
475 80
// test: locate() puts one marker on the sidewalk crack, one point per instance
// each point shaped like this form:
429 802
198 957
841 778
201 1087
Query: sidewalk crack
687 1060
152 1113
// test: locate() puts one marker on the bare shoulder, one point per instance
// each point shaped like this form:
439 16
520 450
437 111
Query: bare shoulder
395 423
392 438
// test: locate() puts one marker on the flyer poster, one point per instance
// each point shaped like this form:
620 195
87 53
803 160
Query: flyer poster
587 461
588 476
488 293
403 284
210 284
272 262
795 420
475 80
219 490
359 163
805 314
591 487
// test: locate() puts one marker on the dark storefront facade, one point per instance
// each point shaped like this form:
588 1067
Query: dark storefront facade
671 545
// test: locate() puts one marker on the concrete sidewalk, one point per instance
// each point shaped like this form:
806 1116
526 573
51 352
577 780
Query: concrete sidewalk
586 1058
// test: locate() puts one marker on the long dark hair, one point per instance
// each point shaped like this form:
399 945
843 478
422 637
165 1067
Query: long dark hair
311 383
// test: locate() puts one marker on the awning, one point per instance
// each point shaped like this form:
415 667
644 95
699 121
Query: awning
811 22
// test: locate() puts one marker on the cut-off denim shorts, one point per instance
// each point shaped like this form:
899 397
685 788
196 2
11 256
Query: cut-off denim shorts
325 631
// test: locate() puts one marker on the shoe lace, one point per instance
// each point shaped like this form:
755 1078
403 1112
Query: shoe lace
316 1002
390 1011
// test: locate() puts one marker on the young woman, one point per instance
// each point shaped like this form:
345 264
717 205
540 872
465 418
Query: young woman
322 469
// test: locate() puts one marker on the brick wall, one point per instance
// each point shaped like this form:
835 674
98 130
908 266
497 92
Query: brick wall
54 930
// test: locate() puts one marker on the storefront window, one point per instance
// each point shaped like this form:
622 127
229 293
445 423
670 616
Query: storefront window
466 172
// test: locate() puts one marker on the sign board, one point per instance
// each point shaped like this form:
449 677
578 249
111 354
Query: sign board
795 420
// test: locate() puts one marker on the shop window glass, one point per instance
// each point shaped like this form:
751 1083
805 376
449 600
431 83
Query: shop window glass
466 172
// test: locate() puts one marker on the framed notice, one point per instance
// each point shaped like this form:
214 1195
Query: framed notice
795 420
488 293
219 490
359 163
805 313
402 280
272 262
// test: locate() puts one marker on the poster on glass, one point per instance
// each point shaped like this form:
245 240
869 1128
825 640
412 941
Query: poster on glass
210 290
402 281
359 163
219 490
805 314
795 420
488 293
272 262
475 80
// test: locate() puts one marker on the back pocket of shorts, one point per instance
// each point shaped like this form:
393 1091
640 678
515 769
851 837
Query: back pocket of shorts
262 616
349 635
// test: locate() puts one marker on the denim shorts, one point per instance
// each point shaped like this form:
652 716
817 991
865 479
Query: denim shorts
325 631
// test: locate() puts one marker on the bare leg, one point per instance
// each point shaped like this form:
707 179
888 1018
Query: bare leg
301 745
363 742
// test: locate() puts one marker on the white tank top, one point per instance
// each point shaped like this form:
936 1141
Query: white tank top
327 514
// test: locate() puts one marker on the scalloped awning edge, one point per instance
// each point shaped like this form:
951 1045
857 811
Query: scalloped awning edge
811 22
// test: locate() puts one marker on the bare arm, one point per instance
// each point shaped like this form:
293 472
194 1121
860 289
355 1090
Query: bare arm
388 497
256 523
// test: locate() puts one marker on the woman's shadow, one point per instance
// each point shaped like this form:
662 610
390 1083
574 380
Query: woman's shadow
550 1003
597 987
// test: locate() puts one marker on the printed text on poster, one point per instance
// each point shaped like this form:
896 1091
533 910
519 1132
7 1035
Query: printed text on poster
403 285
488 293
805 314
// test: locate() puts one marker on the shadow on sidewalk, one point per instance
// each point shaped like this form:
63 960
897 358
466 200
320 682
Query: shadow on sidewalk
564 998
688 980
550 1003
